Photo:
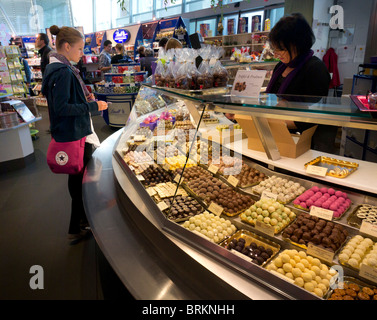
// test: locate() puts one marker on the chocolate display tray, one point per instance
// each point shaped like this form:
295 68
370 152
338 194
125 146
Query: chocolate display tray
253 224
350 280
252 237
353 219
336 168
362 103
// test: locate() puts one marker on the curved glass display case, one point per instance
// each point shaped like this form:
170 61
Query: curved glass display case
217 173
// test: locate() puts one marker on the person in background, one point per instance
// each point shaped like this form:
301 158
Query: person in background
120 55
141 52
70 106
42 44
162 42
300 73
28 74
173 44
105 57
146 62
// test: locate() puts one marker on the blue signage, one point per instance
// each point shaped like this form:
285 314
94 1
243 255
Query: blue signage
121 36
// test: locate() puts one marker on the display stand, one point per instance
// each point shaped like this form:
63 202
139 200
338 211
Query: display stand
171 28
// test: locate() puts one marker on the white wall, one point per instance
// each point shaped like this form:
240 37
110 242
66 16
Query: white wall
357 14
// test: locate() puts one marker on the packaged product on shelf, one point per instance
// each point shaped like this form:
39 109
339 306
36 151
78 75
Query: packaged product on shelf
183 76
205 79
220 74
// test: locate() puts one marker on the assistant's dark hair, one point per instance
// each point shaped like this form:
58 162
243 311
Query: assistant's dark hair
45 38
106 43
292 31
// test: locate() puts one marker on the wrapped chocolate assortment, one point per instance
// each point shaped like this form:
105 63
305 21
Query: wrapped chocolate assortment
176 68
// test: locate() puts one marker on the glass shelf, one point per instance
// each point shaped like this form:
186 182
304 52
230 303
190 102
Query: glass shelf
321 110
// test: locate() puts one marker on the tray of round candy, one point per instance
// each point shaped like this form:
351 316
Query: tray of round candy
154 175
192 173
213 190
357 251
364 212
311 229
210 226
270 212
285 189
326 198
303 270
182 208
352 289
251 247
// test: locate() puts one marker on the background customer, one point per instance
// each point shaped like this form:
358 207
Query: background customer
146 62
120 55
42 44
70 105
105 57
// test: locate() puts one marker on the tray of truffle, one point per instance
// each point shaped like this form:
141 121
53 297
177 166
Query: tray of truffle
251 247
192 173
210 226
357 251
286 190
182 208
326 198
166 190
352 289
219 197
336 168
364 212
311 229
270 212
154 175
303 270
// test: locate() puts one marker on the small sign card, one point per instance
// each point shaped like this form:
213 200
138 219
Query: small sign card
265 228
162 205
215 208
269 195
368 272
248 83
320 253
213 169
177 178
368 228
233 181
321 213
316 170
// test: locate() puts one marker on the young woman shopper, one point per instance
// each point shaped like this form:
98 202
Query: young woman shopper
70 105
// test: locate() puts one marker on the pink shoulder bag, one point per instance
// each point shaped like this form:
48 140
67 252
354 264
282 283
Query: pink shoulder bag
66 157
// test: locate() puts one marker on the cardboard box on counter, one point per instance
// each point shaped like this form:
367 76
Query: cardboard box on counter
290 146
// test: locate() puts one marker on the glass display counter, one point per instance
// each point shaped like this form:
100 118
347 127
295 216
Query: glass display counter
282 225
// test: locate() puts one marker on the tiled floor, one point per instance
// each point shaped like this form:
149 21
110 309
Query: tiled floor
34 218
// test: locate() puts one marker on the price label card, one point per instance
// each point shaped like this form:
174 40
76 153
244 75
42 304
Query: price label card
233 181
139 138
213 169
131 168
316 170
177 178
368 272
215 208
269 195
265 228
320 253
248 83
368 228
166 166
140 177
241 255
162 205
321 213
151 191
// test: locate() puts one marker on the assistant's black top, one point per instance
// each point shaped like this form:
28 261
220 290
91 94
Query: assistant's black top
312 80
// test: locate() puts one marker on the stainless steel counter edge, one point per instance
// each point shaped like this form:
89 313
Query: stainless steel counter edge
152 263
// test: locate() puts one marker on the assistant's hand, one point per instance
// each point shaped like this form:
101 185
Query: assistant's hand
102 105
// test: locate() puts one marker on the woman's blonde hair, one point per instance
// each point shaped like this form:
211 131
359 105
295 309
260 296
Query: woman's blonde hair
173 44
66 35
120 48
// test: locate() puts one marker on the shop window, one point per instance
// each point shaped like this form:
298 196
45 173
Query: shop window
276 15
170 9
120 17
194 5
207 27
83 20
255 20
230 24
103 15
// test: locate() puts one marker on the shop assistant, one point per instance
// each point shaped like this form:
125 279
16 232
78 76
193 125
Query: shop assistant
300 73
